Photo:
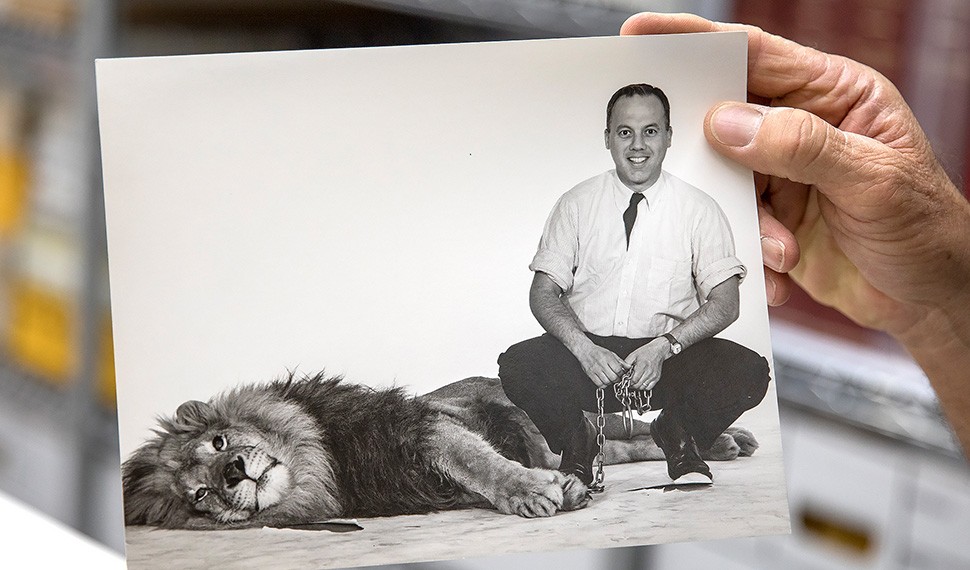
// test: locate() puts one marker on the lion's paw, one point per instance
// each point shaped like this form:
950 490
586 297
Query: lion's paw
542 493
724 449
575 495
744 439
733 443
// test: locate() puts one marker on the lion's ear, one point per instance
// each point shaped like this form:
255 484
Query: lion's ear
195 413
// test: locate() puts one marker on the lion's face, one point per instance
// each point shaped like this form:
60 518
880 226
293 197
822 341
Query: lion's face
231 474
243 459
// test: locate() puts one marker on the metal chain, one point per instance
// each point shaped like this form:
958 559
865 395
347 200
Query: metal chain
626 396
598 476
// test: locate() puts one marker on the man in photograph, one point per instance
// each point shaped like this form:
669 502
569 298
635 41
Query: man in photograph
634 275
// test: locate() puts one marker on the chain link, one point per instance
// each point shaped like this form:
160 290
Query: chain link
627 397
598 476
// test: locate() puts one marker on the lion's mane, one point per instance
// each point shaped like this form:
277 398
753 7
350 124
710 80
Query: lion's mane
350 450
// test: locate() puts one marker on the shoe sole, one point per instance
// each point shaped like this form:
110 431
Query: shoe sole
693 478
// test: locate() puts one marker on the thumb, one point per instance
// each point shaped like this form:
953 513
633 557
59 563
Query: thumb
789 143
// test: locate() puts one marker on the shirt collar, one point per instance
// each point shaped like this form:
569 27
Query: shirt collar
621 194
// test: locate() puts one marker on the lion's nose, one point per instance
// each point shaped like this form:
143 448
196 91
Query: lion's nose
234 472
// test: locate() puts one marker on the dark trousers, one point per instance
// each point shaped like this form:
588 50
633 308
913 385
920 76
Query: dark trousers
705 388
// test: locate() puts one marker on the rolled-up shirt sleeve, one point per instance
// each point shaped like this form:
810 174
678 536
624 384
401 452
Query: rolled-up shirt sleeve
713 256
559 246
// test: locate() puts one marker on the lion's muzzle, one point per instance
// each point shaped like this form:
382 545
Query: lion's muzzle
234 472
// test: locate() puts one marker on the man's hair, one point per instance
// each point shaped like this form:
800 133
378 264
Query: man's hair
642 89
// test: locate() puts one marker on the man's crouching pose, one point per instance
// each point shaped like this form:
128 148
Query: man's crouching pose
634 275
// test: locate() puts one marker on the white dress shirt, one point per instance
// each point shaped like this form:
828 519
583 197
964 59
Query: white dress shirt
681 247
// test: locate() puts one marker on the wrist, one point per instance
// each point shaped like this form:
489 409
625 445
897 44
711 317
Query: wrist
673 345
939 341
940 344
938 332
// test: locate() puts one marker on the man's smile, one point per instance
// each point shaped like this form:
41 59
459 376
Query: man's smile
638 159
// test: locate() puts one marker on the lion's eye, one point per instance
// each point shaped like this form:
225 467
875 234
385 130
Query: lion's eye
201 493
219 442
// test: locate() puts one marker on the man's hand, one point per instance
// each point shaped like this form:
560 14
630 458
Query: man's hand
854 205
646 362
601 365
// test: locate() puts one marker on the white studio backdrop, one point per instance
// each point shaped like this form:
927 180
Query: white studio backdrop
370 212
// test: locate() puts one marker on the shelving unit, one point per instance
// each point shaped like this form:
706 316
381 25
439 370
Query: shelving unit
58 431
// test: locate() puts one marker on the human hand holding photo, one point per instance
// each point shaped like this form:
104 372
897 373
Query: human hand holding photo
853 205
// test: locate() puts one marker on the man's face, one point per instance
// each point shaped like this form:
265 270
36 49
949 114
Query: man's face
638 138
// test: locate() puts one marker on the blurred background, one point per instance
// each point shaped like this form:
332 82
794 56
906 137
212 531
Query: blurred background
875 477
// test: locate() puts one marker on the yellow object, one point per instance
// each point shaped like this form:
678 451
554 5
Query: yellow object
847 536
13 191
106 365
41 332
42 338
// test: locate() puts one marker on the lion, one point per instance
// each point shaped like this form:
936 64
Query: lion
301 450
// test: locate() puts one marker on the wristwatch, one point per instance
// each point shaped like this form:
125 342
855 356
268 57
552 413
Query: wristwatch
675 347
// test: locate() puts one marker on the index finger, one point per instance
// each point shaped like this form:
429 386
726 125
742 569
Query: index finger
788 73
623 367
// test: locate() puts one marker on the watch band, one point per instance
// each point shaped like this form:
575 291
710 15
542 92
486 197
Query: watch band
675 346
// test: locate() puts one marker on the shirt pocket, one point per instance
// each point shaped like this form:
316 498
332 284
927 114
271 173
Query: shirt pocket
670 284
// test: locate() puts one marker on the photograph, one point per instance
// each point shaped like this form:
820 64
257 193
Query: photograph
400 304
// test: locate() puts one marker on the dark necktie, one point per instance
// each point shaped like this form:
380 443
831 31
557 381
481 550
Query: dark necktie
630 215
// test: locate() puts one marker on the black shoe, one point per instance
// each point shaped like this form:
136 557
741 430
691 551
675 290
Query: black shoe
579 452
684 463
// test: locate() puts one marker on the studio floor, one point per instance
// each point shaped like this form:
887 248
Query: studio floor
748 498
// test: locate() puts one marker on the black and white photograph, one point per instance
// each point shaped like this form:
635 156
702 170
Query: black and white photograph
388 305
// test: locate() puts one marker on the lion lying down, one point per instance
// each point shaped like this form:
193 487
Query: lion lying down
297 451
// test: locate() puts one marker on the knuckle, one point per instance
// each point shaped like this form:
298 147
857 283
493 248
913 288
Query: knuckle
804 145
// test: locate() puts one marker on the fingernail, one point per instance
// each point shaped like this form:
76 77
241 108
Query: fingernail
770 288
736 124
773 252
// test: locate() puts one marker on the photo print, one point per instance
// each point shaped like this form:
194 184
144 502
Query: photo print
368 303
